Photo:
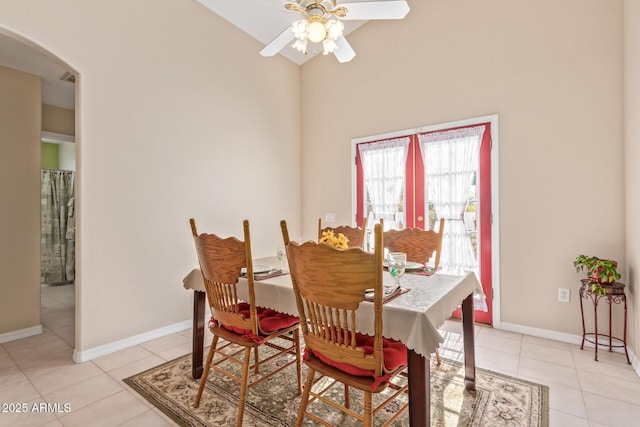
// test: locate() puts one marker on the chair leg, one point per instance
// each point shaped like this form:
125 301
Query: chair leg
243 386
347 398
205 372
296 338
304 401
438 359
368 409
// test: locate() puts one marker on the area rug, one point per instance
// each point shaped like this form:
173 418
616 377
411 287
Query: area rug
499 400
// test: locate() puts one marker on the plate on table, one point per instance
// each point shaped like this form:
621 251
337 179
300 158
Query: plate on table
258 269
387 291
410 265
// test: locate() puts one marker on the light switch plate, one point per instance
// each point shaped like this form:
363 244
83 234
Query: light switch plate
329 217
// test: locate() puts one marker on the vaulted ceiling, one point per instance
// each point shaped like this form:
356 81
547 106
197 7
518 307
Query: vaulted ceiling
262 19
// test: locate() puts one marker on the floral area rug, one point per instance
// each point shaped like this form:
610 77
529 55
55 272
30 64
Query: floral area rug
499 400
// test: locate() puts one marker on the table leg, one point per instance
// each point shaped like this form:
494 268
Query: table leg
419 389
469 344
197 334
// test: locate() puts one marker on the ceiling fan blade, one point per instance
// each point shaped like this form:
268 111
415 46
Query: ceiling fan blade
344 52
277 44
392 9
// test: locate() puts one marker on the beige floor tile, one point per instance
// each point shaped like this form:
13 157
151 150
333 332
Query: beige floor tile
18 392
111 411
452 348
148 419
567 400
551 354
614 364
546 342
136 367
164 343
44 338
63 322
498 341
601 384
57 311
48 380
68 335
611 412
557 418
498 361
490 331
121 358
11 375
175 352
54 423
33 417
50 352
86 392
547 373
5 360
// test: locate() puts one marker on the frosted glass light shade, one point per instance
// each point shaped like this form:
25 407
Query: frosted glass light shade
316 31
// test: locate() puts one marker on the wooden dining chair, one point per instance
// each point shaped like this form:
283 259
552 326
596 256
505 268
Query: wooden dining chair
419 245
243 324
356 235
329 285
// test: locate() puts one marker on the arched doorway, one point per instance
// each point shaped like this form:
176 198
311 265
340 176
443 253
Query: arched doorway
33 309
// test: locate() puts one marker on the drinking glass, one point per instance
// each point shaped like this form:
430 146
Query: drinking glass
397 264
281 253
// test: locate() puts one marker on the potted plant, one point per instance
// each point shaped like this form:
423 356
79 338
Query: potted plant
600 272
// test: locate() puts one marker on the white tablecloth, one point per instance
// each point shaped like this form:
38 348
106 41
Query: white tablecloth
412 318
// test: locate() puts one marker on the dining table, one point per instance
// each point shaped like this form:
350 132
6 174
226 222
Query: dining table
412 317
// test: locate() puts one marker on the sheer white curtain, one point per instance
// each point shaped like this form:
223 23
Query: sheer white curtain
384 167
451 161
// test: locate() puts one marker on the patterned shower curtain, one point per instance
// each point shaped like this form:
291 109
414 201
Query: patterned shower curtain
57 247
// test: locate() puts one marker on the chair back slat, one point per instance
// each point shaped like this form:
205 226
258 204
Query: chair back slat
419 245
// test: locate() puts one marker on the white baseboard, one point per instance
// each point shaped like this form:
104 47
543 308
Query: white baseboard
21 333
102 350
564 337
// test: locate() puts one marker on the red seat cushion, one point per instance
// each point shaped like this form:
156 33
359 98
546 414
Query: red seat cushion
270 320
394 356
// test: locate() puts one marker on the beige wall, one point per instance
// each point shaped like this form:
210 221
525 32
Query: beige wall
552 75
58 120
190 122
632 158
226 124
20 207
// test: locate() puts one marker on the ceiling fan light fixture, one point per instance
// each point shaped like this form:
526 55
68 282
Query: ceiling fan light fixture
329 45
300 29
300 45
334 29
316 31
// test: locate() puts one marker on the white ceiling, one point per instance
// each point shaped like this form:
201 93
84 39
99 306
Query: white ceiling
19 56
262 19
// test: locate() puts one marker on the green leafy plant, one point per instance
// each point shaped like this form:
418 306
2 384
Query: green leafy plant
599 271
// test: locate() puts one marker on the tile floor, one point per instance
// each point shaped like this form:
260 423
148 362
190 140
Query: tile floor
39 369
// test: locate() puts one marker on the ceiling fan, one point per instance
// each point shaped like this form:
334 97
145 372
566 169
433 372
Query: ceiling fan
321 22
